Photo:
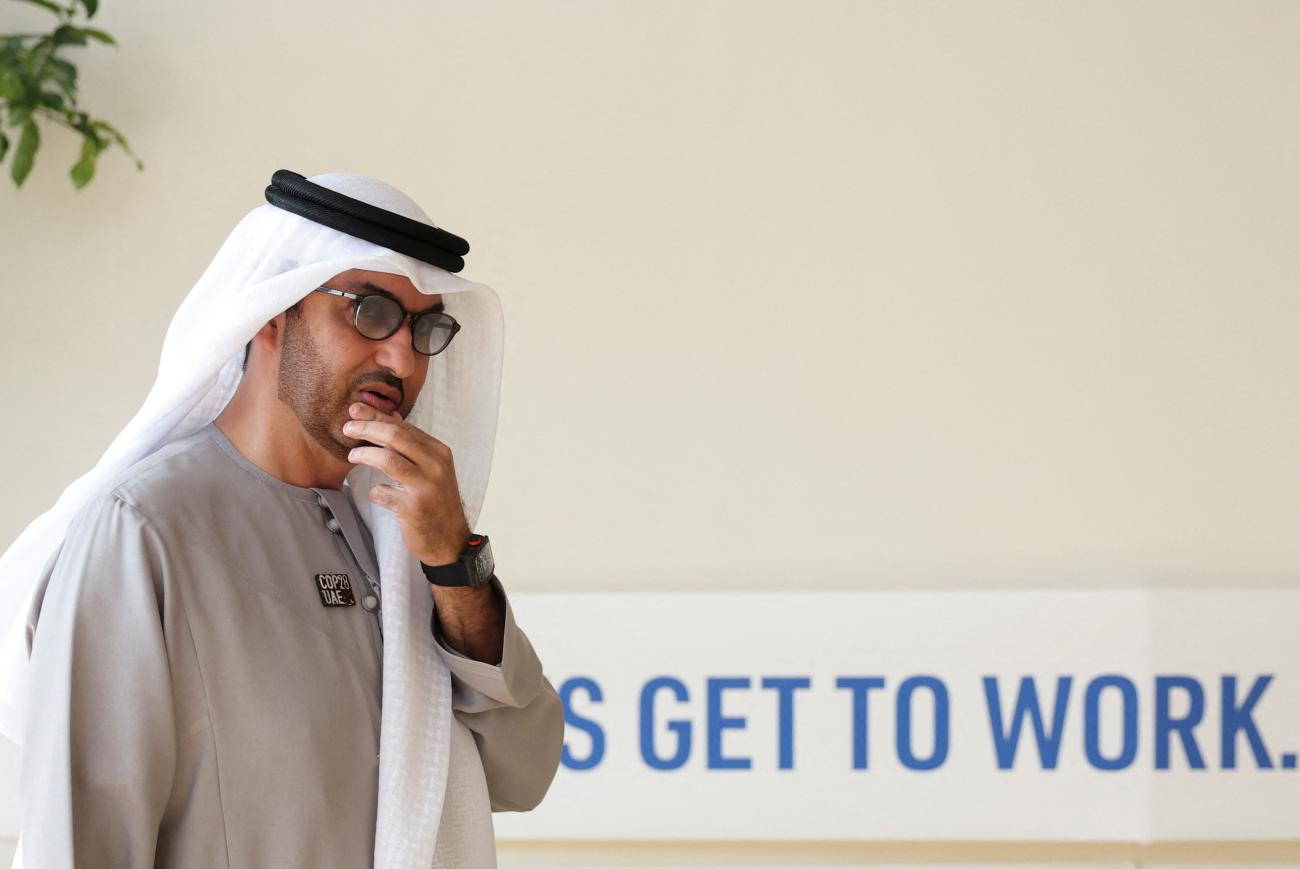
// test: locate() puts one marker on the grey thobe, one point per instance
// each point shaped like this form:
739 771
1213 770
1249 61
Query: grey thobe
196 703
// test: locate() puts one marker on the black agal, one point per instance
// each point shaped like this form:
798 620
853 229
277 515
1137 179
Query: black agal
293 192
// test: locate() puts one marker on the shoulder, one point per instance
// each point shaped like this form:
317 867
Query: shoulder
182 483
140 518
199 491
109 552
170 480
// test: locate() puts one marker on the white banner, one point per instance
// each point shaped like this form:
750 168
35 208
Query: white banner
1115 715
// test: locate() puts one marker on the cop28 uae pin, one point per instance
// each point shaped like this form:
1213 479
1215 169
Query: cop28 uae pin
335 589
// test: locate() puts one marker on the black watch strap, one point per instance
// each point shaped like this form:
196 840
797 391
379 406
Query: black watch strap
473 569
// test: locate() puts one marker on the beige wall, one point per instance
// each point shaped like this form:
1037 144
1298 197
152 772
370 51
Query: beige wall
975 294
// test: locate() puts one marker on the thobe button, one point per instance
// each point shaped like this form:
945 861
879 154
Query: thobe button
369 602
332 524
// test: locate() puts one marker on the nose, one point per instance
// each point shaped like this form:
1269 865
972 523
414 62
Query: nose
396 353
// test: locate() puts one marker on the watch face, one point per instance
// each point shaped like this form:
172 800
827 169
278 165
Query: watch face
483 564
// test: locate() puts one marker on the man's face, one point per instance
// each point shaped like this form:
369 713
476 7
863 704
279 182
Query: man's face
325 364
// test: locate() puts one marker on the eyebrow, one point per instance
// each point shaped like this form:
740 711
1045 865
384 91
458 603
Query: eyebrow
375 288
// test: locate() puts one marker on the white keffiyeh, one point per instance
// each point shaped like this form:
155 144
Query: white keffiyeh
272 259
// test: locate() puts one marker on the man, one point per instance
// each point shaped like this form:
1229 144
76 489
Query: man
226 663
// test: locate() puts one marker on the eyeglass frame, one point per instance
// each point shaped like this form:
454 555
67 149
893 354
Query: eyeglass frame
412 316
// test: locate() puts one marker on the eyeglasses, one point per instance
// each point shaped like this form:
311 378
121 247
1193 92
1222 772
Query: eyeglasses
377 317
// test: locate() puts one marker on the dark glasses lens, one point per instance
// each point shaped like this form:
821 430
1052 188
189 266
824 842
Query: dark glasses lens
432 332
378 317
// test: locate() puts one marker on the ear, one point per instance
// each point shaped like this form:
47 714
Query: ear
268 338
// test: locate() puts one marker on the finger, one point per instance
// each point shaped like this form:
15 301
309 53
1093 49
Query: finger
426 444
397 466
361 410
405 439
389 497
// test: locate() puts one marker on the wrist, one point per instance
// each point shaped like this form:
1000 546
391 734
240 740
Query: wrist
447 550
472 567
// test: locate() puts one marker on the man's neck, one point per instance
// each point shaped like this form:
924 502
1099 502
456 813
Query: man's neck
268 434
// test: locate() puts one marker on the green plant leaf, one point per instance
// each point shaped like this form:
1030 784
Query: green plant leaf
84 169
106 127
25 153
19 113
98 34
69 35
91 7
11 85
66 34
83 126
52 100
4 145
56 9
63 74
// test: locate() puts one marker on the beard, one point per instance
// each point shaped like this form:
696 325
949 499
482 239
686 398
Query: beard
317 394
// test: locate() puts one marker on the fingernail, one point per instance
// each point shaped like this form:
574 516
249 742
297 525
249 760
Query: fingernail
350 426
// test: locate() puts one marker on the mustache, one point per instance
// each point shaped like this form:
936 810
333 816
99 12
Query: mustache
388 380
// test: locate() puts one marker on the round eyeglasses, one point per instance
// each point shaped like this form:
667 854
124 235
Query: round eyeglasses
377 317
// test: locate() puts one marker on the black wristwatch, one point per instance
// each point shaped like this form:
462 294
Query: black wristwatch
472 570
